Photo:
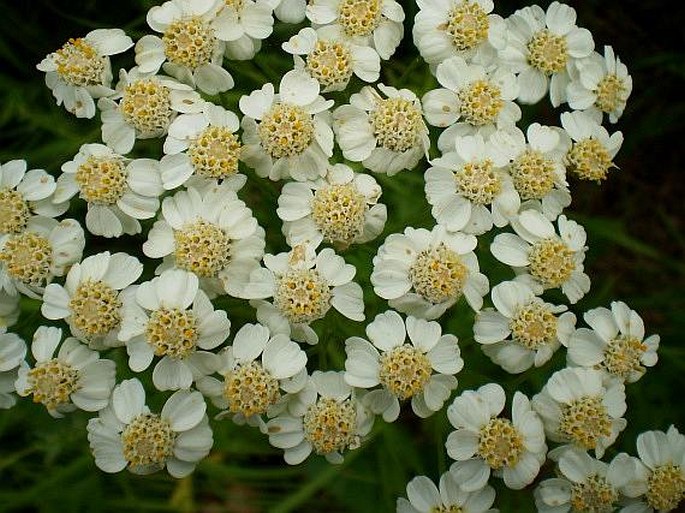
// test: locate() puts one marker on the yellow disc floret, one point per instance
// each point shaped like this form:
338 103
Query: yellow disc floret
14 211
359 17
622 356
215 153
547 52
189 42
172 332
302 296
438 274
467 25
286 130
95 308
147 440
80 64
102 180
552 262
610 93
584 421
500 444
478 182
250 389
533 326
480 102
338 211
330 425
330 63
533 174
146 106
27 258
404 371
593 495
589 160
665 487
52 382
202 248
396 124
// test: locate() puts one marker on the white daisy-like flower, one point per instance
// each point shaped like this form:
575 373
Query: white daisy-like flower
616 343
75 378
655 481
585 484
543 259
243 24
590 156
386 135
128 435
251 385
189 49
119 191
304 285
210 233
373 23
31 259
25 194
331 421
422 369
143 108
341 209
332 58
465 28
12 354
582 407
91 299
80 71
423 273
287 135
172 318
600 83
537 166
523 331
425 497
540 46
472 99
469 188
10 309
484 443
289 11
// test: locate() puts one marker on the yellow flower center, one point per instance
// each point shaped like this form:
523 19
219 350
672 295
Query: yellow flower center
338 211
480 102
52 382
215 153
189 42
500 444
551 262
589 159
302 296
665 487
533 326
202 248
547 52
359 17
14 211
442 508
622 356
27 258
404 371
102 180
286 130
533 175
330 425
330 63
478 182
172 332
250 389
79 64
95 308
148 440
594 495
146 106
237 5
610 93
467 25
584 421
396 123
438 274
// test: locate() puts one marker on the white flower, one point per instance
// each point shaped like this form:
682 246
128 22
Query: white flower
332 58
403 370
540 46
425 497
585 484
210 233
170 317
464 28
600 83
25 194
119 191
251 385
31 259
423 273
243 24
76 378
543 259
287 135
581 407
386 135
655 481
524 330
373 23
189 49
143 108
615 343
341 209
304 286
476 98
12 354
469 187
90 300
331 420
289 11
81 71
590 157
483 442
127 435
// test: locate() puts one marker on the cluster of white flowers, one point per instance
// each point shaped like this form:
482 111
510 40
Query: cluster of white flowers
484 174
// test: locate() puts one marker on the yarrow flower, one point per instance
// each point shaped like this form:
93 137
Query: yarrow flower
128 435
12 354
80 71
243 24
425 497
403 370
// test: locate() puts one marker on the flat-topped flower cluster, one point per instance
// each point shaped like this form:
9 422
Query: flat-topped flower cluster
483 172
